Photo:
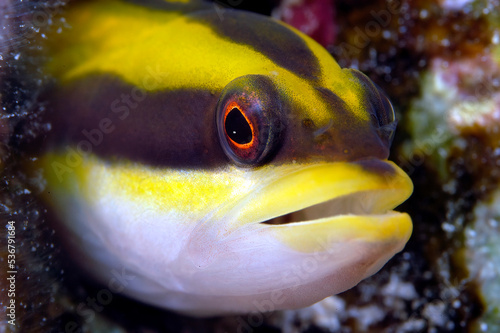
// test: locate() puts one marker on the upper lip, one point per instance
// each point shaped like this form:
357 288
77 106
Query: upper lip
303 193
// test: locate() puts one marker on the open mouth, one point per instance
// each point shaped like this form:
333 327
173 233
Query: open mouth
361 203
329 193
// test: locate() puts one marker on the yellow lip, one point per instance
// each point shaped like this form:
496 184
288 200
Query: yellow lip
356 204
318 235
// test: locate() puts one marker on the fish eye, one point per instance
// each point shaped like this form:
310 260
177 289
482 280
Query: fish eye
239 129
249 120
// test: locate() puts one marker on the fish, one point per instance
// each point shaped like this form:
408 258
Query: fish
213 161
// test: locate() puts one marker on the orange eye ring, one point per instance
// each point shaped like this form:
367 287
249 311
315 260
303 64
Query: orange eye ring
243 146
248 120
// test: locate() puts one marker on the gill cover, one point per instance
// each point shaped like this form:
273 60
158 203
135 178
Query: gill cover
226 165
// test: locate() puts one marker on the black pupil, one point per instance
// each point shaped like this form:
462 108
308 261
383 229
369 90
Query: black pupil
237 127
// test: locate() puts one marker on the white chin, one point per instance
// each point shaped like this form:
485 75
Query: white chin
254 273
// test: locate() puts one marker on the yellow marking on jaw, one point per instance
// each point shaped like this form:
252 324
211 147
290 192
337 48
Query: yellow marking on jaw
241 197
187 192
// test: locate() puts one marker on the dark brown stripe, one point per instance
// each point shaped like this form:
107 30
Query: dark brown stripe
276 42
177 129
118 121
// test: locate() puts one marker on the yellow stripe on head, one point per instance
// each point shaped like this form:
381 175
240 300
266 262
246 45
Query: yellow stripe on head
133 51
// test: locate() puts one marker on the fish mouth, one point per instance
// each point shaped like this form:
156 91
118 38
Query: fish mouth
308 192
333 202
360 204
334 221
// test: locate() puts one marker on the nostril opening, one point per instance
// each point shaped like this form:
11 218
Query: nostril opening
323 129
